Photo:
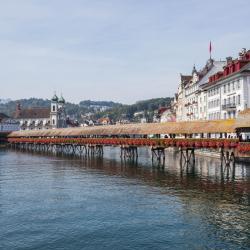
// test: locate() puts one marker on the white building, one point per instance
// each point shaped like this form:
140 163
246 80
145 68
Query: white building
42 118
228 91
219 91
191 98
179 101
7 124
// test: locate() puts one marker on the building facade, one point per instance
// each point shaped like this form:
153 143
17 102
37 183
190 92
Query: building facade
42 118
219 91
8 124
228 90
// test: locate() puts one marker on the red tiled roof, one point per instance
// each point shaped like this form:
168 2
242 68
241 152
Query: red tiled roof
33 113
185 79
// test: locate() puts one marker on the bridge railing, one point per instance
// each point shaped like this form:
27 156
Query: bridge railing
166 142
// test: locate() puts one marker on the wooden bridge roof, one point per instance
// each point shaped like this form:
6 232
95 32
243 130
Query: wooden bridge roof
191 127
243 119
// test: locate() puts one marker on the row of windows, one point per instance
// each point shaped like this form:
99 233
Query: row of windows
236 100
229 115
214 116
227 88
214 91
191 100
214 103
191 89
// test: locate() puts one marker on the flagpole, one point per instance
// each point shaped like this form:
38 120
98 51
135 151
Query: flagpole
210 50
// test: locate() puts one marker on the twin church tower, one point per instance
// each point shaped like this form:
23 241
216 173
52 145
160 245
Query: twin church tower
36 118
57 112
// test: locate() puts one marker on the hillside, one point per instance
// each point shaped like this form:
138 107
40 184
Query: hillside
93 109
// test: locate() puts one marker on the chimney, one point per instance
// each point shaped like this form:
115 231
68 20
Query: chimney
229 59
244 51
242 54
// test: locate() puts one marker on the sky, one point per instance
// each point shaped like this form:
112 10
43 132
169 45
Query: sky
119 50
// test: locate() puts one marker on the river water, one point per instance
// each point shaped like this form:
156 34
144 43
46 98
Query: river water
51 202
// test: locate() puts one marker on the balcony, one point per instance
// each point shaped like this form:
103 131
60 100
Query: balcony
229 106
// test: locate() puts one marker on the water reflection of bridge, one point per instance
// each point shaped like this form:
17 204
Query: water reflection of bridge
206 175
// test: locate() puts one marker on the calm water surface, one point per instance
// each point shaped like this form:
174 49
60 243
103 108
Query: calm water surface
49 202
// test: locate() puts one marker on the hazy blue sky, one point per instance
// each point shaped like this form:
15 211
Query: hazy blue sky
121 50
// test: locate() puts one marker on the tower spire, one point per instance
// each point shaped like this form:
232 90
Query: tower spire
194 70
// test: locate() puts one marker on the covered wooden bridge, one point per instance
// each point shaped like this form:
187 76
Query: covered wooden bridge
221 135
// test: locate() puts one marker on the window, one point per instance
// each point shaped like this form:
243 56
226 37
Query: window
54 108
238 99
225 89
233 85
234 100
228 87
225 115
238 84
53 122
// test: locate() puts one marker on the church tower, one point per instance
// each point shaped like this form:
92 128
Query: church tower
61 113
54 111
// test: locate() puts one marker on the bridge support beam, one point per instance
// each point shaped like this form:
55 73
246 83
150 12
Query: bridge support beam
129 152
227 164
95 150
188 155
158 153
227 157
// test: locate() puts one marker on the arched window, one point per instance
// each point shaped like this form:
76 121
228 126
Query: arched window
53 121
54 108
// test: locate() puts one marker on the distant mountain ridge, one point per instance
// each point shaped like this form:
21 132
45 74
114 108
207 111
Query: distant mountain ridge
92 109
4 101
90 103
